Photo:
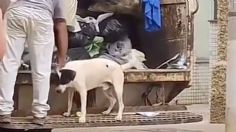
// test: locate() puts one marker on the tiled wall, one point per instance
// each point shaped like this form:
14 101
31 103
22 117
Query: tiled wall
199 93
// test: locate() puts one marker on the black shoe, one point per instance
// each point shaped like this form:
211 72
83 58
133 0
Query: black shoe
5 119
39 121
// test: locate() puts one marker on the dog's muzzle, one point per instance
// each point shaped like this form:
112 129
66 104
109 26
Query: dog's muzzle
61 89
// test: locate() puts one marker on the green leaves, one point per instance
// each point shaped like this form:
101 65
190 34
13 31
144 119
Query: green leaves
96 47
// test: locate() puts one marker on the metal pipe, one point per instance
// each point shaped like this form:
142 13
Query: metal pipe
197 7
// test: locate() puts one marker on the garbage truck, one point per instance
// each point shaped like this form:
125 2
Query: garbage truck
168 68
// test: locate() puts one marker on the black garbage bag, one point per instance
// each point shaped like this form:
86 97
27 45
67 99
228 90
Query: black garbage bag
112 30
82 38
77 40
79 53
88 29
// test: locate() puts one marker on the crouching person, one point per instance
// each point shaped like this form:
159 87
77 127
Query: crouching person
33 22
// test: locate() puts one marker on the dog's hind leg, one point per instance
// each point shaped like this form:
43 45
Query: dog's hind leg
112 100
118 87
70 102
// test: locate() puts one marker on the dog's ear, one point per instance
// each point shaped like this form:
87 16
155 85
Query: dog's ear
67 76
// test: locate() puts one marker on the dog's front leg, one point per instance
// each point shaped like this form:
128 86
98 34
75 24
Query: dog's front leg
83 97
70 102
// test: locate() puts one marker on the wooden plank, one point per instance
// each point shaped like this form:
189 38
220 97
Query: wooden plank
158 70
131 76
157 76
130 70
173 2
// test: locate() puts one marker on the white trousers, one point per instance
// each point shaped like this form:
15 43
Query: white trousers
34 27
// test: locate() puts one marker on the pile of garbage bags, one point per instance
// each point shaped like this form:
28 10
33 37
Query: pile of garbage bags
107 37
104 37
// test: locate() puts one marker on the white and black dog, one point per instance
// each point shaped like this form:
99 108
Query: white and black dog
84 75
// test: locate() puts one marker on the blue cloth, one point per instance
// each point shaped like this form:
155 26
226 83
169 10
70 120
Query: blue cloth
152 15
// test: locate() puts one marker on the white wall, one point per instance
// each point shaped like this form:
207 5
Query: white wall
202 28
231 75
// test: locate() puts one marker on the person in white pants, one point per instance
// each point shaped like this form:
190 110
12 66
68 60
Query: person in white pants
33 22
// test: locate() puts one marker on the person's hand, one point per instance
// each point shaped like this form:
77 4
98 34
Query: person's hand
61 35
61 61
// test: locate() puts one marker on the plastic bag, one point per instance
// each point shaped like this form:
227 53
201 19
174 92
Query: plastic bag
77 40
88 29
117 50
112 30
82 38
120 48
78 54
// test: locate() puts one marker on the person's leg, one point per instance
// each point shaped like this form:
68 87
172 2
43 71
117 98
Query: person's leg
10 63
41 43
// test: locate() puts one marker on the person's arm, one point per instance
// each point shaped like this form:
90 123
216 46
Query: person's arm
61 38
60 29
2 35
